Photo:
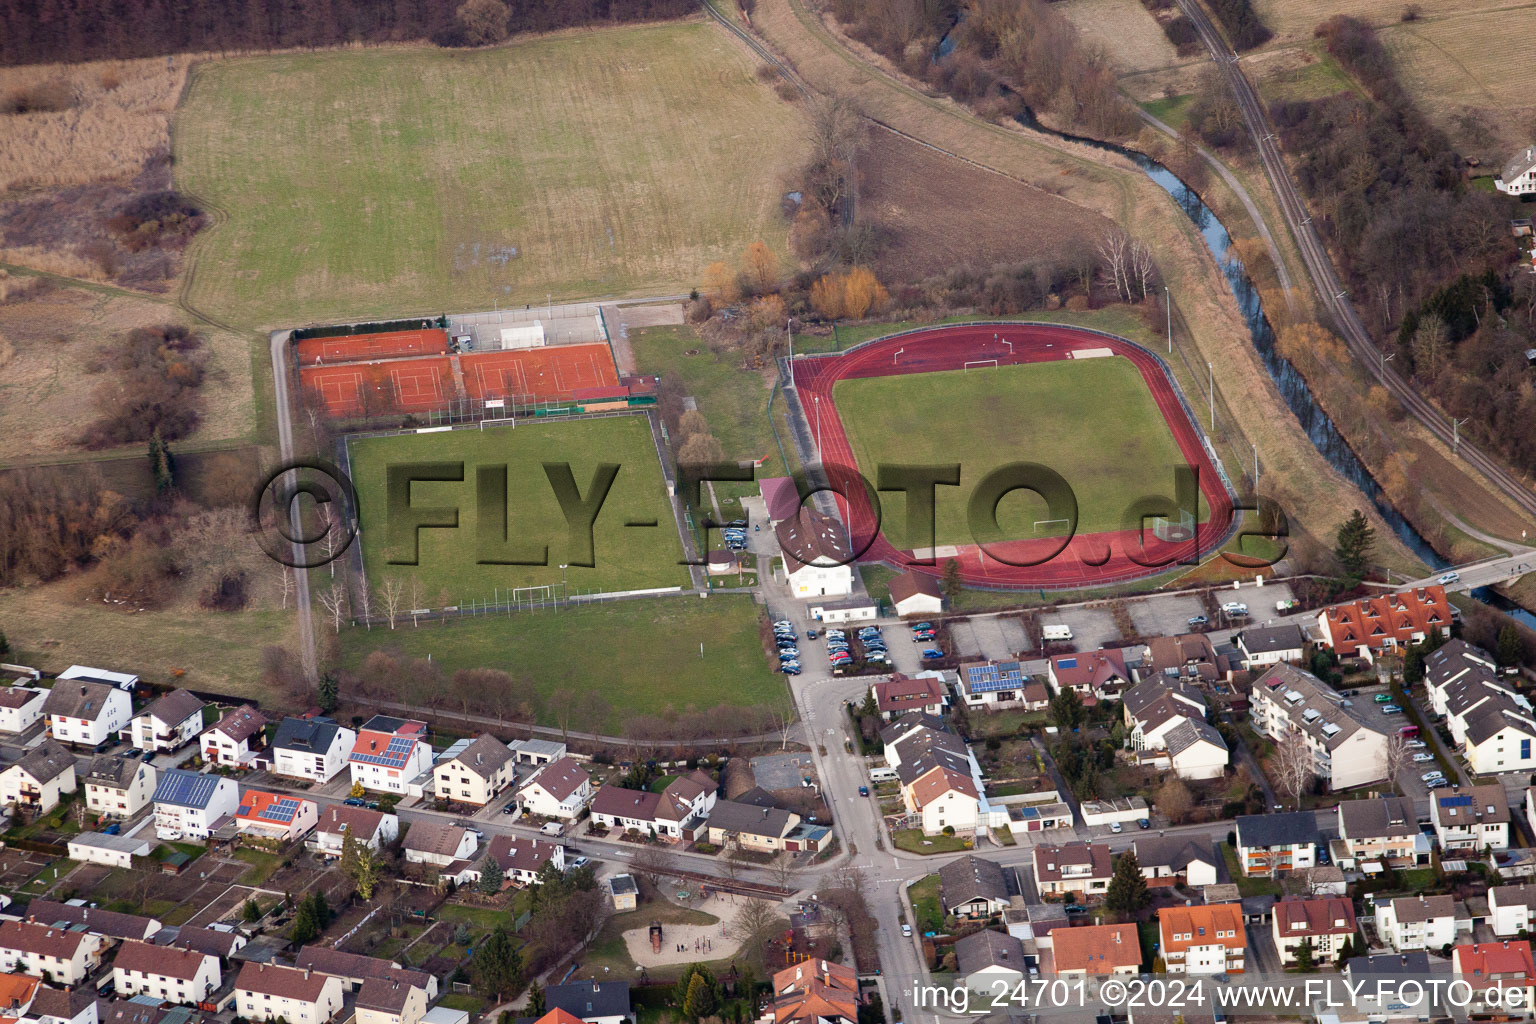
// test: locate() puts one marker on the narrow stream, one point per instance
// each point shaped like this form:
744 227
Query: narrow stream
1288 380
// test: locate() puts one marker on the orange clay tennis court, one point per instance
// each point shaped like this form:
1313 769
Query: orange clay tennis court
406 385
538 373
351 348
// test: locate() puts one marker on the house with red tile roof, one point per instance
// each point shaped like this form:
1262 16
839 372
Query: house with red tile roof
67 955
1100 674
560 789
1324 923
1076 868
388 753
166 973
677 812
1096 949
269 992
901 693
372 828
1206 939
816 992
1379 625
275 815
521 858
1499 967
235 739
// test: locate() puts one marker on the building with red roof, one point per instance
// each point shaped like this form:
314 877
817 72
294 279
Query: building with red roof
276 815
900 694
1096 949
1379 625
1499 966
390 752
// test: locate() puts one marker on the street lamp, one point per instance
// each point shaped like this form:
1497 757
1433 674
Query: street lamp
1168 308
818 424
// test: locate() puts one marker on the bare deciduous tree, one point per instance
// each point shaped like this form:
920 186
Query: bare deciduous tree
1114 251
1294 767
1396 756
653 863
365 599
1142 266
391 593
334 600
415 601
289 584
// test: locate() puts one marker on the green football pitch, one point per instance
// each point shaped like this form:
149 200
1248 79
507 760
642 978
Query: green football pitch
448 569
1091 420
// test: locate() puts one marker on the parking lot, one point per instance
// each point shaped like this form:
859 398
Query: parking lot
1166 615
996 637
1092 628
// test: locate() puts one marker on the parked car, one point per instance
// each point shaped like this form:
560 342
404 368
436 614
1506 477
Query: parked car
1383 698
906 931
1116 827
810 634
511 808
790 670
1439 783
1075 909
932 654
578 863
355 801
1391 709
1416 744
1423 758
1448 578
1432 776
1197 620
112 829
921 625
863 791
1143 823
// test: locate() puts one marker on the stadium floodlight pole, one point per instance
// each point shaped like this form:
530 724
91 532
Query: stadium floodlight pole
1168 308
818 425
789 329
1255 463
1210 384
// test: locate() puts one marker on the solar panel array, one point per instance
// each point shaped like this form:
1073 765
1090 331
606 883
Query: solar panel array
1005 675
281 810
1067 663
393 756
190 789
1459 800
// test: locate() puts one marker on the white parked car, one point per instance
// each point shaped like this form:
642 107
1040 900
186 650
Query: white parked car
1432 776
1116 828
1448 578
1421 758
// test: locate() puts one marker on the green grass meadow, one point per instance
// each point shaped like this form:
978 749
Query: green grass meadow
1091 420
387 181
448 570
642 656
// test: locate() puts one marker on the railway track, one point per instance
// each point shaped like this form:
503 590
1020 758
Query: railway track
1325 278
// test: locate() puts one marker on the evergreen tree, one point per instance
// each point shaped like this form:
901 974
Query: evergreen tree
251 912
951 585
1304 958
491 877
1067 710
1127 891
1509 647
702 999
498 967
328 691
161 466
536 1000
1353 544
5 646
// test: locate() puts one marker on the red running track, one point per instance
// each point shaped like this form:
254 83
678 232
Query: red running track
1089 560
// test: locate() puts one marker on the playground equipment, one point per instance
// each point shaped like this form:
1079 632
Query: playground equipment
656 936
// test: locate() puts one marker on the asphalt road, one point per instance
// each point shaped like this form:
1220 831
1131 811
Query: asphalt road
1320 268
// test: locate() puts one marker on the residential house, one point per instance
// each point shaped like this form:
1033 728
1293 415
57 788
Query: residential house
1470 818
1189 658
1268 844
125 681
560 789
16 993
1203 939
750 827
1002 685
118 787
268 992
170 975
475 774
989 962
108 923
21 707
1453 662
1096 949
1375 981
1263 646
1072 869
222 944
1476 695
1386 624
972 887
39 779
1186 859
1502 977
310 748
67 956
1324 924
816 992
679 810
190 805
910 725
1385 830
390 1001
1196 750
1100 674
1519 175
275 816
817 555
521 858
388 753
1348 742
234 740
373 829
1417 922
1152 707
437 843
1500 736
86 714
900 694
942 793
594 1002
354 970
70 1006
169 722
1511 909
915 594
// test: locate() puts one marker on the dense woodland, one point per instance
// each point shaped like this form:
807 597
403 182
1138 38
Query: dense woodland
39 31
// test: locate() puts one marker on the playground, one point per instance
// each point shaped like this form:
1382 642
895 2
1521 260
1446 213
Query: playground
687 943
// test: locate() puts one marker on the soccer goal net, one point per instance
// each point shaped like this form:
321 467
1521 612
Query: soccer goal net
1174 529
978 364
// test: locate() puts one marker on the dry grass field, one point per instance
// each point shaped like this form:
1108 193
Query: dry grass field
609 162
115 115
53 346
1124 30
974 218
1294 20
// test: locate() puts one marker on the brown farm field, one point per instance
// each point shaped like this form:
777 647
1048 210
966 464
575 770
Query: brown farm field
1294 20
1126 31
54 344
943 213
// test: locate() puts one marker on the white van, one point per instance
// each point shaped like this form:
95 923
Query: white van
882 774
1057 632
551 828
1235 608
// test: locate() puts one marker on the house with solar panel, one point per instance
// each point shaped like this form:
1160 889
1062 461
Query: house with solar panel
275 816
190 805
1471 818
1002 685
86 713
170 722
311 748
389 753
235 739
1100 674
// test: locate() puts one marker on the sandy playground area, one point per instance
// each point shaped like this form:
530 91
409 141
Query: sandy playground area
721 937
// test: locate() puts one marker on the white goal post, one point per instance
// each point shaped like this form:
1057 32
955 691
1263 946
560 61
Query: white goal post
1047 522
978 362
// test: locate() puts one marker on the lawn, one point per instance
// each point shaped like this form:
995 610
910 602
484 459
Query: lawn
913 841
641 656
927 911
1051 413
449 570
1257 886
417 179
